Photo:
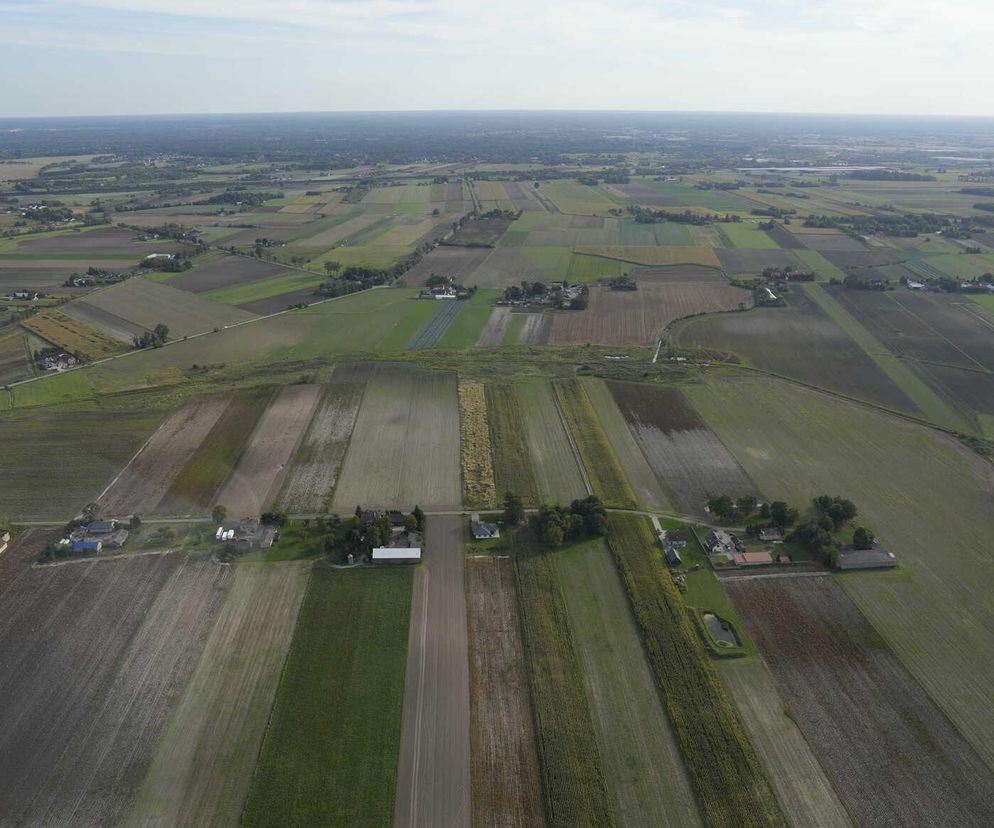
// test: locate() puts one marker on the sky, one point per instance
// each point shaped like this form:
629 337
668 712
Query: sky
120 57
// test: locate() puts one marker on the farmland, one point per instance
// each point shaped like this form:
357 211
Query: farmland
555 462
512 464
14 359
654 256
203 766
73 336
891 754
99 655
331 746
507 788
479 488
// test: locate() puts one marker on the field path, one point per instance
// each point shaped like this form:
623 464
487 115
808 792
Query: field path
433 786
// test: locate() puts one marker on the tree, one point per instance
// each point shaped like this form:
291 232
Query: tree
135 523
781 514
862 538
722 507
746 504
514 510
410 523
332 267
219 513
161 332
420 518
552 534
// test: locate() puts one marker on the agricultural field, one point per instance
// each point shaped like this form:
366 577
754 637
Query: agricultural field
456 263
256 479
644 772
14 364
331 746
405 446
314 471
689 460
476 456
225 272
651 256
495 330
507 786
796 444
639 317
73 336
202 768
513 470
891 754
99 652
555 459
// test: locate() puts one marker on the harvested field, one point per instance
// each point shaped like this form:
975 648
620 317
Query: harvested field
573 783
73 336
680 274
804 791
203 767
96 656
314 472
554 461
146 303
638 317
504 266
493 333
799 341
341 231
731 785
14 363
479 487
94 243
23 551
893 756
111 324
825 242
512 463
431 333
257 478
507 785
456 263
536 329
654 256
231 270
605 473
742 260
689 460
405 446
481 232
331 748
195 487
142 485
644 772
281 301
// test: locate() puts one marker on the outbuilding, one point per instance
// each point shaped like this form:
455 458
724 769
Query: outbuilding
87 546
402 554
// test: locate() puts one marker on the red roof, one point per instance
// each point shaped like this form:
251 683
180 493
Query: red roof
747 558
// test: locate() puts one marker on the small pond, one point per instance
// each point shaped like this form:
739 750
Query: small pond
722 631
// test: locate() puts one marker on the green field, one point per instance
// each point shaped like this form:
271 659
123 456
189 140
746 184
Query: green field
555 464
728 778
748 235
643 768
467 326
512 464
331 750
264 288
928 500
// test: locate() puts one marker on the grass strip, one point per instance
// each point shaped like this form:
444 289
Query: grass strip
512 463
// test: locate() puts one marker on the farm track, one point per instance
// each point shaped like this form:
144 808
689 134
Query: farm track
433 785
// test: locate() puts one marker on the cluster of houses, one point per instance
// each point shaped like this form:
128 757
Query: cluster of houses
964 287
23 296
248 533
721 544
96 536
439 292
61 361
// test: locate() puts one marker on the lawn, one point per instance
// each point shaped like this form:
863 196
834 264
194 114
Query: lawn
331 750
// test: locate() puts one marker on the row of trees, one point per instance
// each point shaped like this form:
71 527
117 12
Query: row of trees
554 525
155 338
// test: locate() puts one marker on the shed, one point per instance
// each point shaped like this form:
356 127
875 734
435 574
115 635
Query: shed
752 558
100 527
389 554
875 558
87 546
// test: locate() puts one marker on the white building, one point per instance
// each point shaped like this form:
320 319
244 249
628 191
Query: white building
389 554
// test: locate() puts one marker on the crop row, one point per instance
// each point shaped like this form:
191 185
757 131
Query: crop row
512 463
476 455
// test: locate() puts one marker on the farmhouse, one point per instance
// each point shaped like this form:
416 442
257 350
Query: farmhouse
100 527
153 256
719 542
248 532
875 558
390 554
481 530
770 534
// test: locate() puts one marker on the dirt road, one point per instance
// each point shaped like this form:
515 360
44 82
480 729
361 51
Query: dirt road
433 787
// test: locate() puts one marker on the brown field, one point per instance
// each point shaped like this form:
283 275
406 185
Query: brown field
405 446
96 655
96 242
231 270
502 267
314 472
689 460
22 552
744 260
494 331
827 242
507 786
256 479
72 335
14 275
14 363
893 757
333 235
479 488
654 256
681 274
457 263
142 485
202 770
110 323
638 317
536 329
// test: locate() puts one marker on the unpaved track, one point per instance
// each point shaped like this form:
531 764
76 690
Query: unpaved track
258 476
433 785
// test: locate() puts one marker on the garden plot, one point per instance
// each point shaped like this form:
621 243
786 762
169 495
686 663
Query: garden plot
892 755
96 656
507 787
256 479
203 766
405 446
142 485
689 460
315 468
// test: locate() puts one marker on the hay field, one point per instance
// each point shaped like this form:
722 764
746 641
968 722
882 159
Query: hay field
798 443
257 477
507 786
203 765
315 468
97 655
654 256
555 463
405 445
74 336
891 754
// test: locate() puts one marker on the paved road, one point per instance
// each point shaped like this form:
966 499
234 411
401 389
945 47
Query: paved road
433 788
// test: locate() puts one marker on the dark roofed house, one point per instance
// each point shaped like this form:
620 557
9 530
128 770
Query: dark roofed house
875 558
100 527
370 516
482 530
396 517
770 533
672 555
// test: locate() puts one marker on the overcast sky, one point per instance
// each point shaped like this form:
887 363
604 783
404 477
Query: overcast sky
95 57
